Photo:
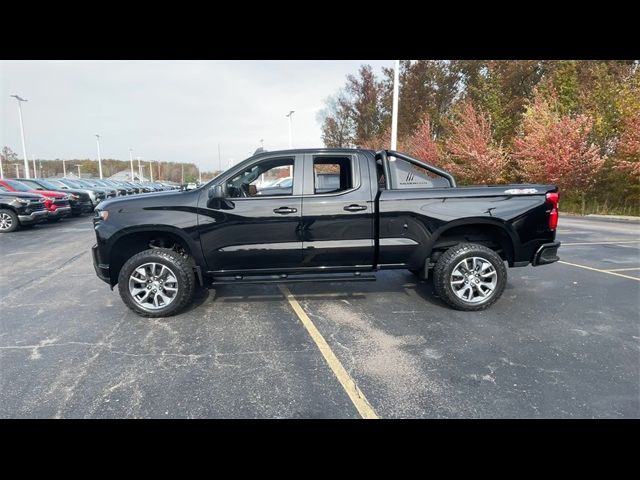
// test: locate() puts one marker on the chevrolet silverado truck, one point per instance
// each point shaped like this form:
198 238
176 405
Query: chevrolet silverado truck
382 210
19 209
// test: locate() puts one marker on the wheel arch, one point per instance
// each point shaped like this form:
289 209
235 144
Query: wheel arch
131 241
476 230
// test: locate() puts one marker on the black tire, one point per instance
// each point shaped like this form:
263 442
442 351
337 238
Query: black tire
9 219
178 264
442 276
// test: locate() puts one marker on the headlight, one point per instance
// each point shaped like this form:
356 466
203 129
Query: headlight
103 215
73 196
21 201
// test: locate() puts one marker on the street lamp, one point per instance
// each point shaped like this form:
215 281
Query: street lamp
99 158
35 171
150 170
394 114
17 165
24 144
139 169
131 161
290 128
79 176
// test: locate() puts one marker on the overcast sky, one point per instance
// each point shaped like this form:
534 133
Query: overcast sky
166 110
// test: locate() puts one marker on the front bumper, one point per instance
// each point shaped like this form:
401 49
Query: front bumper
546 253
82 207
33 217
60 212
102 270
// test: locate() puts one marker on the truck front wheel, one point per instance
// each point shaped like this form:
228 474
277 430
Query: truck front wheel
158 282
469 277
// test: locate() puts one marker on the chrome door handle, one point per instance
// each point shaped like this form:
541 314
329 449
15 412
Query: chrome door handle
285 210
355 208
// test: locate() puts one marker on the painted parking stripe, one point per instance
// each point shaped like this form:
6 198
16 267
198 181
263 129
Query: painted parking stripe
600 243
598 270
348 383
622 269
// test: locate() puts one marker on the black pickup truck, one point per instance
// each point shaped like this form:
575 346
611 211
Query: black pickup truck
387 211
18 209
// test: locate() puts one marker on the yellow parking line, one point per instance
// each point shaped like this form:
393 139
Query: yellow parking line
601 271
357 397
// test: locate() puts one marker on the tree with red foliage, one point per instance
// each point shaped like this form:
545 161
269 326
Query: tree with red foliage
555 148
628 148
476 158
422 145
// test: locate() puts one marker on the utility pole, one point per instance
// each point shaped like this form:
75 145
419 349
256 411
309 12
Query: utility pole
24 144
99 157
394 115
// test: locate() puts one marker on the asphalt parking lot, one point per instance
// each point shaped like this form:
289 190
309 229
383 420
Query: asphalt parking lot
563 342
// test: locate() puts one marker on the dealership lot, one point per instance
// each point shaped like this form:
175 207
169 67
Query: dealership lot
564 341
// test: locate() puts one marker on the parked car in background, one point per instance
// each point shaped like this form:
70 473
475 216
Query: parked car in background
79 201
19 209
57 203
110 192
96 196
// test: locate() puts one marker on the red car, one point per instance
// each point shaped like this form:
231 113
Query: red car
57 203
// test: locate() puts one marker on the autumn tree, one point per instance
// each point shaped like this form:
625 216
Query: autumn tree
556 148
337 122
476 157
628 148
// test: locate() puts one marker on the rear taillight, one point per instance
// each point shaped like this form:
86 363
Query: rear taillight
553 198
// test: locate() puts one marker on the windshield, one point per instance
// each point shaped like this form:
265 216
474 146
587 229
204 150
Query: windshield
70 183
49 185
20 187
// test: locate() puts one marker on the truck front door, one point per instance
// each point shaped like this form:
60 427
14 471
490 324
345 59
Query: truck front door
255 227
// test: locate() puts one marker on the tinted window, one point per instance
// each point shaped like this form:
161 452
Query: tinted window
249 182
332 174
408 175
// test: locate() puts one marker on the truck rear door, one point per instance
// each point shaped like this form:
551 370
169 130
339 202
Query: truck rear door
337 212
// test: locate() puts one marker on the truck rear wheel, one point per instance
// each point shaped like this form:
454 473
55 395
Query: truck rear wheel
469 277
158 282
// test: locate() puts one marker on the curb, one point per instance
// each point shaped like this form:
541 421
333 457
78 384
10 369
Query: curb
609 218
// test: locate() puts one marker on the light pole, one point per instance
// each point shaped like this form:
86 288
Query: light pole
24 144
1 170
290 128
64 169
199 174
182 180
131 161
394 115
150 170
139 169
79 176
35 171
17 165
99 157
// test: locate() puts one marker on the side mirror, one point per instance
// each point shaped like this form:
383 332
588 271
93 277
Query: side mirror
218 191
